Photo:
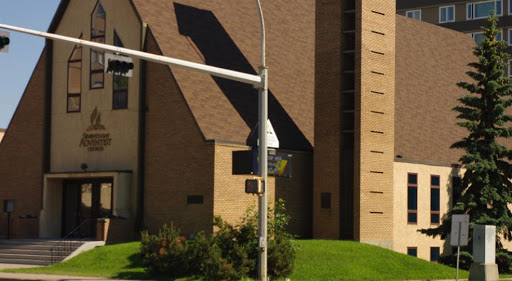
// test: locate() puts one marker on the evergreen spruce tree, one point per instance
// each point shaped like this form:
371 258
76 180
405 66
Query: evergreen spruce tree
486 187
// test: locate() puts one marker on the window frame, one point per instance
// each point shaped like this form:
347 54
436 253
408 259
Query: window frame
119 91
447 9
509 7
413 11
471 15
411 211
79 94
412 249
509 39
438 254
433 212
94 39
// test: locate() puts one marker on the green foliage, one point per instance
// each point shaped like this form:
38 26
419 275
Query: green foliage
326 260
165 253
504 261
229 254
486 187
465 260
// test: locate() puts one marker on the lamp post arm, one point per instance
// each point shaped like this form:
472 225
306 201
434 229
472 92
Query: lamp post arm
251 79
263 36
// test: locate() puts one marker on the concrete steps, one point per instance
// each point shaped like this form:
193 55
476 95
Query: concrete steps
35 252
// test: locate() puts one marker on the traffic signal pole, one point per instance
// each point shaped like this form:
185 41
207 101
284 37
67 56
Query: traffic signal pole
263 154
251 79
258 81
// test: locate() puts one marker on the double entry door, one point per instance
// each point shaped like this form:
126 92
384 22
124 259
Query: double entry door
84 201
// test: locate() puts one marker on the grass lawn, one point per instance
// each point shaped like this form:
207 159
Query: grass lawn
347 260
316 260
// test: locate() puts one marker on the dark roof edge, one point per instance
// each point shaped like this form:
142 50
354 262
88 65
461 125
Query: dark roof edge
58 16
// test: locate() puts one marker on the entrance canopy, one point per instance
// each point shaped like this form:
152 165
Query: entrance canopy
74 199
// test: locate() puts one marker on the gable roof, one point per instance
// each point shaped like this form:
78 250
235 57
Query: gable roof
430 60
227 34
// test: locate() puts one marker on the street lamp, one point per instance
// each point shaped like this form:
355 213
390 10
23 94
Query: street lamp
263 154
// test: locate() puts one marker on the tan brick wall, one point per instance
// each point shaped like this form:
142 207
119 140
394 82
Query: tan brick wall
374 121
21 151
178 162
297 193
406 235
231 201
327 117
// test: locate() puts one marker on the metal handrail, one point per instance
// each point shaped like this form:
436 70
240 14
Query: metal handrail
63 248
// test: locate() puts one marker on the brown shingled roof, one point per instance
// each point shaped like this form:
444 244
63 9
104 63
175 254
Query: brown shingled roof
226 34
430 60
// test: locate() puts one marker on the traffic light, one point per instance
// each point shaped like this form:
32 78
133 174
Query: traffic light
254 186
4 41
119 65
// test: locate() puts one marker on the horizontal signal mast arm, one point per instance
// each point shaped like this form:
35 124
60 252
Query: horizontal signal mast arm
246 78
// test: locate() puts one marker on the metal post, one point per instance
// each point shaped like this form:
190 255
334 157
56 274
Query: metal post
458 253
263 153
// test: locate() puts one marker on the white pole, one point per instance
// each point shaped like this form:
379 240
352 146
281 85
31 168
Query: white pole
212 70
458 253
263 154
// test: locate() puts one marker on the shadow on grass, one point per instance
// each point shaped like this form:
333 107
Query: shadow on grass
135 270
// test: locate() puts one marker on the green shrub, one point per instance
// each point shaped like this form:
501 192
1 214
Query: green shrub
165 253
465 260
504 261
231 253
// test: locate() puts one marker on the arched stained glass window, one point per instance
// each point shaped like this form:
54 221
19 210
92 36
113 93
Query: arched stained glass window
75 79
98 19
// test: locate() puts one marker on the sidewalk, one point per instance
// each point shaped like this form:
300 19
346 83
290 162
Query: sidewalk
4 276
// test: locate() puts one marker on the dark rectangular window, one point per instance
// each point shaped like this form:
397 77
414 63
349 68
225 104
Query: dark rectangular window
412 198
434 254
412 251
325 200
195 199
435 205
98 19
456 190
75 79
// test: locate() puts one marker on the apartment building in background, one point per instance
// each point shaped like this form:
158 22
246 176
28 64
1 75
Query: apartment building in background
464 16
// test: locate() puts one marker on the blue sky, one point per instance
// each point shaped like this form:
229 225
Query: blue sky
24 50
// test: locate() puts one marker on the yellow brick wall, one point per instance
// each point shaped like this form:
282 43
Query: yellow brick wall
374 125
406 235
231 201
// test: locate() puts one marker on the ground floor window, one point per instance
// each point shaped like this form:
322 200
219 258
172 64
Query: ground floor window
434 254
412 251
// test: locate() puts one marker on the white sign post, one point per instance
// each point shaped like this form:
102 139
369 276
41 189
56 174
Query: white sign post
459 235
